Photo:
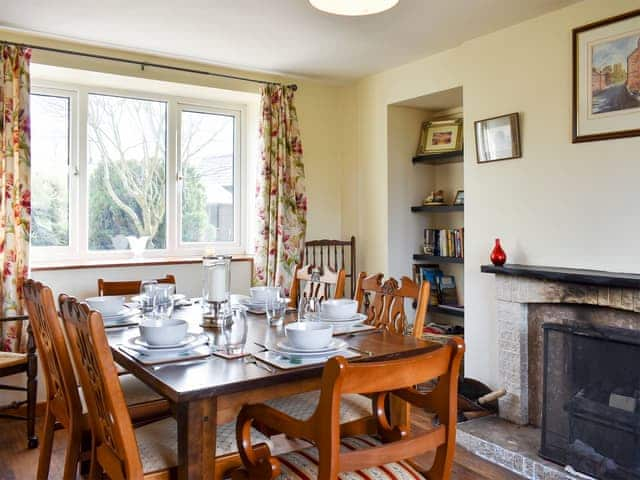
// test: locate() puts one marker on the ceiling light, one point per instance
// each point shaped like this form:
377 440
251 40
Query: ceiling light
353 7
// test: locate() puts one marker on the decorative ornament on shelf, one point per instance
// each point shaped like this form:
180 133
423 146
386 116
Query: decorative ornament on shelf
434 198
498 257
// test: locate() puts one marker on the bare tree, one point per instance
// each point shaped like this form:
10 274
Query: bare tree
128 137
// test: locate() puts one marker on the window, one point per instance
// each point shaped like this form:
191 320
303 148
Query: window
126 145
110 166
50 136
207 148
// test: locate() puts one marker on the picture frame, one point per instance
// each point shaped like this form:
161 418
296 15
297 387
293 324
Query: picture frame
498 138
440 136
606 79
459 198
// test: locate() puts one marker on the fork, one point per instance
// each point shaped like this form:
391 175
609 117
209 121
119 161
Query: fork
363 352
251 359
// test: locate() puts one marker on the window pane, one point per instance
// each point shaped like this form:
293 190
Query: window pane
127 171
49 170
207 151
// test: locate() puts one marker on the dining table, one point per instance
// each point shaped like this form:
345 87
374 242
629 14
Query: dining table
209 391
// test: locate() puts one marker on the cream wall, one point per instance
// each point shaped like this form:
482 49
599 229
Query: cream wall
560 204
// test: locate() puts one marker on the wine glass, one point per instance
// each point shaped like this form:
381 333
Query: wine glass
307 308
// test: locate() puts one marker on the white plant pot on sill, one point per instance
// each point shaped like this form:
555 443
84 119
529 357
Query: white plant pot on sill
138 244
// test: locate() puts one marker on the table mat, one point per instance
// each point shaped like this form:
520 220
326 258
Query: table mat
155 358
289 361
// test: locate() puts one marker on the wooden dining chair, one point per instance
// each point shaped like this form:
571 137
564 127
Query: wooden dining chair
120 451
128 287
12 363
64 400
387 309
318 283
337 450
319 253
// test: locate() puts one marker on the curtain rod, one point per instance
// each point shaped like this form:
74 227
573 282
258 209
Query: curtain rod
145 64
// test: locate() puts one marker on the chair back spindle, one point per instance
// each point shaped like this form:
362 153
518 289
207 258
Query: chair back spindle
324 250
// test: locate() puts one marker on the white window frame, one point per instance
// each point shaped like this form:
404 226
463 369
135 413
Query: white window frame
78 249
236 246
45 253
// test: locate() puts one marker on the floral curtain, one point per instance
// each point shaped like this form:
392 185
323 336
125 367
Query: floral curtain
15 202
281 199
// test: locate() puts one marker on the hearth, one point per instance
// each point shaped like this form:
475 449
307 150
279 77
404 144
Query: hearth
591 403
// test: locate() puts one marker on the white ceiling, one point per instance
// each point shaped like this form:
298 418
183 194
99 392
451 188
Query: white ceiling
284 36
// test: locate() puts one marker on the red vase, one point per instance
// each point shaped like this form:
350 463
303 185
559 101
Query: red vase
498 257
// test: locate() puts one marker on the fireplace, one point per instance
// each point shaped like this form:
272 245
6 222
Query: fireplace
591 403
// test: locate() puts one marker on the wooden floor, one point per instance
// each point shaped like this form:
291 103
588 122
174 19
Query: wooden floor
19 463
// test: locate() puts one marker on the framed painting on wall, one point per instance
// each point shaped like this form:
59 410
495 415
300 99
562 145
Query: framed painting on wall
498 138
606 79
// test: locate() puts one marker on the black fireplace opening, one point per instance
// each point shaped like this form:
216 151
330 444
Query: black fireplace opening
591 400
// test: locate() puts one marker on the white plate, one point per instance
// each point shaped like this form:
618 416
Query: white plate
189 341
335 346
122 315
318 317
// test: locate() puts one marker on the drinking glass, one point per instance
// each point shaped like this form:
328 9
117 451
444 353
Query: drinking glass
163 301
307 308
234 331
275 309
147 288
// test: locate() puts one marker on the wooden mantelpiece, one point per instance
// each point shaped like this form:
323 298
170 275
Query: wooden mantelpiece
572 275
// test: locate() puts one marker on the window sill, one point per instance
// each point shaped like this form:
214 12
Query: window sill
127 262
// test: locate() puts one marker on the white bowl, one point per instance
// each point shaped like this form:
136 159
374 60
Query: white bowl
263 294
309 335
107 305
340 307
167 332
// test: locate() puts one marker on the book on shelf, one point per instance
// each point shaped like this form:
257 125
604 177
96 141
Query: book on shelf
444 242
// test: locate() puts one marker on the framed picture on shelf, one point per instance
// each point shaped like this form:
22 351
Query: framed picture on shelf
440 136
459 199
498 138
606 79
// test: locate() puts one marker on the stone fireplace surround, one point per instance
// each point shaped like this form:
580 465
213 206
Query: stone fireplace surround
526 297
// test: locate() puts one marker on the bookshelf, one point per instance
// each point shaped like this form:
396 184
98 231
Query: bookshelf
419 257
440 158
438 208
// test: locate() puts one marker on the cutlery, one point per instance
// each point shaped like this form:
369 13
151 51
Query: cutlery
365 332
363 352
254 361
181 364
261 345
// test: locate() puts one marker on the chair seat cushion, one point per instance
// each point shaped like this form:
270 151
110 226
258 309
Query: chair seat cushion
303 464
10 359
158 443
302 406
135 391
